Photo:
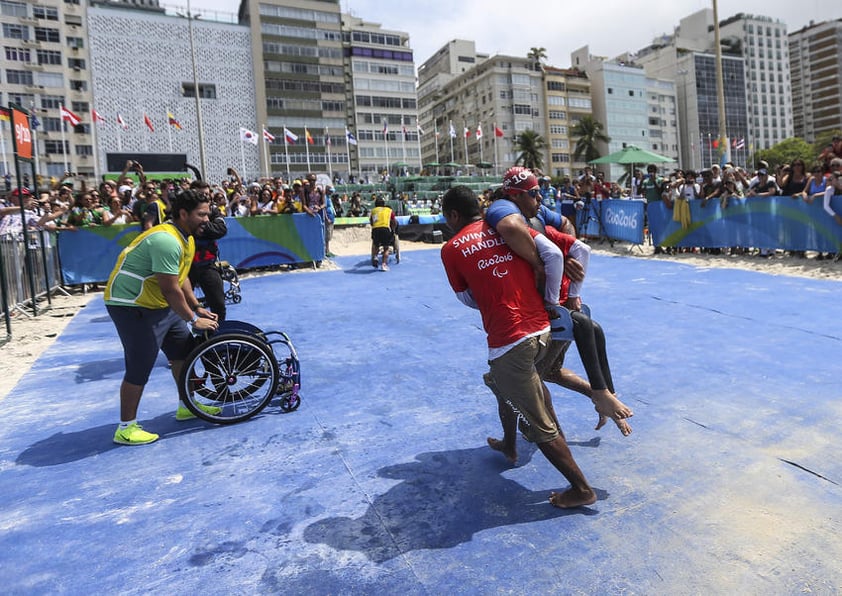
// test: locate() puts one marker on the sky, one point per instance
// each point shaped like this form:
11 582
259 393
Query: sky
513 27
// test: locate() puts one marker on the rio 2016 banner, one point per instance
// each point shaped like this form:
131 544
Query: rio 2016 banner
616 219
88 254
761 222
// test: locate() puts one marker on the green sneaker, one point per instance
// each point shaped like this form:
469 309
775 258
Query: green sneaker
133 435
183 413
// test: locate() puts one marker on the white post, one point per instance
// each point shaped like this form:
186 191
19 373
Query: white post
451 133
64 145
169 130
94 124
327 146
465 142
266 152
494 132
307 146
286 153
3 146
243 157
420 157
479 140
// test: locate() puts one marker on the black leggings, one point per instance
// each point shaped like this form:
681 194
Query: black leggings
590 342
210 280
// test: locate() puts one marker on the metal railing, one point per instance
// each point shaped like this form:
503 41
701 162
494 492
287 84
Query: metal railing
29 271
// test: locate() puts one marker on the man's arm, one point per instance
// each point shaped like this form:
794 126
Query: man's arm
216 227
553 260
177 298
515 234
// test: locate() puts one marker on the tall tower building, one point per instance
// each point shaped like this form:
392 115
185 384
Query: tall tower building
300 81
382 103
815 54
568 96
768 89
45 64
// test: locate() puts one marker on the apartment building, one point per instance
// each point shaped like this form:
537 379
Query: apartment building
45 64
815 64
568 100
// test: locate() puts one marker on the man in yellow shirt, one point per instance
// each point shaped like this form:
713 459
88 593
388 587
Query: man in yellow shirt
383 226
151 301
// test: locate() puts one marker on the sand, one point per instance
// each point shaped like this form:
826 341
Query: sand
31 336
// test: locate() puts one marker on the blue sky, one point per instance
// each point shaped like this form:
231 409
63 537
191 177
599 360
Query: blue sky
506 27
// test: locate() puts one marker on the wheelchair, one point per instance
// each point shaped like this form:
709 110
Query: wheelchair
394 244
230 283
235 372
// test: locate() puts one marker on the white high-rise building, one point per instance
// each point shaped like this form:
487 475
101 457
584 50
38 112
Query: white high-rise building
768 88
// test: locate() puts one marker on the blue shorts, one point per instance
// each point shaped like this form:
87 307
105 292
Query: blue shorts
145 331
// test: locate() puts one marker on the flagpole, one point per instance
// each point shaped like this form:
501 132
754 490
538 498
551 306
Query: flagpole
465 142
386 143
420 157
3 144
327 146
96 148
436 134
64 144
146 136
169 129
403 144
451 133
710 152
243 158
479 140
348 153
496 160
266 152
119 138
286 153
307 146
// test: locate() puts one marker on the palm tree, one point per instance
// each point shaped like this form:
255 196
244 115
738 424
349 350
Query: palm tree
531 146
537 55
588 132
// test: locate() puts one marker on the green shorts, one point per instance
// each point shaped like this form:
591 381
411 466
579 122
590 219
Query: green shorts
519 386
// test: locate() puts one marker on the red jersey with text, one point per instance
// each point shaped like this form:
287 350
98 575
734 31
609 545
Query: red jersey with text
501 283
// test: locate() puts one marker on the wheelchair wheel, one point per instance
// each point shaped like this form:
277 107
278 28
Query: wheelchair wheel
289 371
229 378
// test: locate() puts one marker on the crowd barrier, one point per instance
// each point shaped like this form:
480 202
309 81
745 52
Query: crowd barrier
88 254
43 276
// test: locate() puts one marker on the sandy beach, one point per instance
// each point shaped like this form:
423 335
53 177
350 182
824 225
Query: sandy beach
31 336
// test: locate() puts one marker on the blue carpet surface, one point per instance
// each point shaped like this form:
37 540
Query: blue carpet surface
381 482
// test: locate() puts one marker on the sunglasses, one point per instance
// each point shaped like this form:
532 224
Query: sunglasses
534 193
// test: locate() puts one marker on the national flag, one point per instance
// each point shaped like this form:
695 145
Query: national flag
148 122
349 136
419 129
69 116
734 143
715 143
404 132
479 131
741 144
308 136
289 136
327 138
498 132
173 122
4 115
97 116
467 132
438 134
385 127
122 122
34 122
268 136
452 131
248 136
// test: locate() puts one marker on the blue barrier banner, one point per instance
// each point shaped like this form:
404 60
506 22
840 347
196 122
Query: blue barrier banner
87 255
760 222
623 219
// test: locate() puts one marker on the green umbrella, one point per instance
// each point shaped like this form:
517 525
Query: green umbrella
401 164
484 165
451 164
432 164
632 155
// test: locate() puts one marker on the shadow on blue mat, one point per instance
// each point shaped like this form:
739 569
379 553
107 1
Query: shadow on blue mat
62 448
444 498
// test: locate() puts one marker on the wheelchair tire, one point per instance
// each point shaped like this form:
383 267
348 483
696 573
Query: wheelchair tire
229 378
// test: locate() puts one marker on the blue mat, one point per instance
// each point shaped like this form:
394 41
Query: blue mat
381 482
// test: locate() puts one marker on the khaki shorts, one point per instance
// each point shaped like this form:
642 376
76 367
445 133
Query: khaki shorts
520 387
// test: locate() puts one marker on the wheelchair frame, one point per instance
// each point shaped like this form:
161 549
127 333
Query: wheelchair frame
235 373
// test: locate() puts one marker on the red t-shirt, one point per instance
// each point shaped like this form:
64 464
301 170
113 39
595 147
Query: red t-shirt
563 242
501 283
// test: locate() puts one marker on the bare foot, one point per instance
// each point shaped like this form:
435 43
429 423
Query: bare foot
624 426
498 445
572 497
607 404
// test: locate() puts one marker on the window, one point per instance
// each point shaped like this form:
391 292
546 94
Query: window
56 147
76 63
78 85
522 109
49 79
22 99
80 107
13 31
555 100
560 157
18 55
557 129
18 77
46 13
84 129
49 57
47 34
12 9
558 115
206 90
73 20
50 124
75 42
555 86
51 102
